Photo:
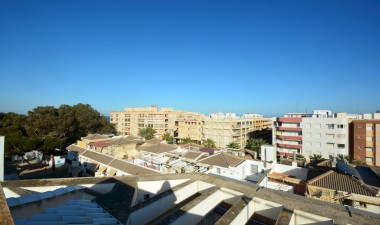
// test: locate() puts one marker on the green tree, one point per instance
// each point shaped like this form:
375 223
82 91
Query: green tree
233 145
186 140
316 157
168 137
209 143
255 145
147 133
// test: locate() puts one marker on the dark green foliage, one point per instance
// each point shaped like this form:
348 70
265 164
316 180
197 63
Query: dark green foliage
186 140
47 128
233 145
209 143
147 133
168 137
255 145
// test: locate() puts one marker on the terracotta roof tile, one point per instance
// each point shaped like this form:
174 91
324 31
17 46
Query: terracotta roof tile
341 182
223 160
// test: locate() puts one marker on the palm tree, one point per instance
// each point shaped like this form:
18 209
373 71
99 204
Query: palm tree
316 157
233 145
186 140
147 133
255 145
341 157
209 143
167 137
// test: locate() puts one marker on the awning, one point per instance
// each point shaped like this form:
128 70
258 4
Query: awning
102 169
111 173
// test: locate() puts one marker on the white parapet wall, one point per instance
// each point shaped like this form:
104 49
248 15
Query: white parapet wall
300 218
1 158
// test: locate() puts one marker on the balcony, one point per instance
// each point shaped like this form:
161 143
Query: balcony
284 137
290 128
289 120
289 146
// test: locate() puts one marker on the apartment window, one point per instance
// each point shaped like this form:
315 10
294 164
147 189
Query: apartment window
318 135
330 135
368 149
369 128
317 126
307 134
341 146
340 126
368 138
307 125
340 136
254 169
330 145
368 159
318 144
330 126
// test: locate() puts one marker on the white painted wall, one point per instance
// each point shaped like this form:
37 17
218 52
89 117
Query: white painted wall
298 172
300 217
316 135
242 171
1 158
270 153
154 188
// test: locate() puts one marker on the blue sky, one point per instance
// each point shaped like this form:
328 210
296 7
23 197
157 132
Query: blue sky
269 57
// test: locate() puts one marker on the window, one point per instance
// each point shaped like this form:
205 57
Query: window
330 145
218 170
254 169
318 144
340 136
368 149
340 126
330 126
368 159
307 134
330 135
318 135
368 128
341 146
368 138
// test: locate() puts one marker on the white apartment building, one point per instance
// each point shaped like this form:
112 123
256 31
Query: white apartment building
325 134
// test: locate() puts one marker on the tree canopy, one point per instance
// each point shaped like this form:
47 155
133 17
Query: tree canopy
209 143
186 140
255 145
147 133
168 137
233 145
46 128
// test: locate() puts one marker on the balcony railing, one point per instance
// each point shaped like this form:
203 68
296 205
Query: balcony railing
289 146
298 138
290 128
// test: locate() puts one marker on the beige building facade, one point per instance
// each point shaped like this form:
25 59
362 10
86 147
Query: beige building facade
226 129
131 120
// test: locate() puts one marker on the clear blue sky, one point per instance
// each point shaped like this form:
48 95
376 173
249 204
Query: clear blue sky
269 57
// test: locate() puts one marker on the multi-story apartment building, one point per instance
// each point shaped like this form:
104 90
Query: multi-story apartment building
131 120
227 128
326 134
365 141
287 134
190 127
